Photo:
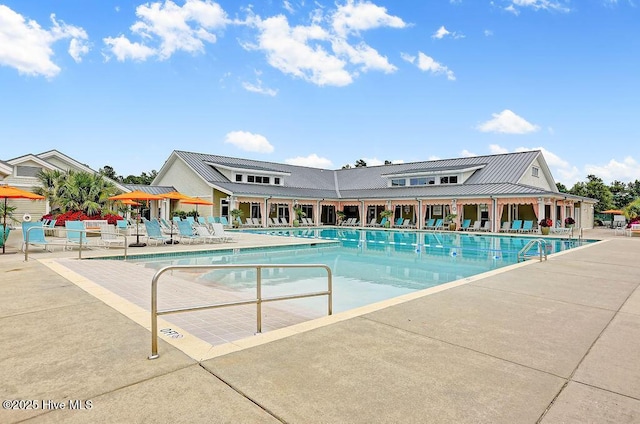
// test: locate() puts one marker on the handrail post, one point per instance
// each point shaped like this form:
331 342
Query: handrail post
330 290
259 298
154 317
82 233
26 245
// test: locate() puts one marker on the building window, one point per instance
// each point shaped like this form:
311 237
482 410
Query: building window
27 171
238 178
451 179
422 181
276 180
251 179
400 182
535 171
258 179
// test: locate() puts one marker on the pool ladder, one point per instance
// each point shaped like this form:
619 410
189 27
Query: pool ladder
542 251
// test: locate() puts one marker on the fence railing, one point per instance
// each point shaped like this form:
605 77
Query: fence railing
258 301
65 243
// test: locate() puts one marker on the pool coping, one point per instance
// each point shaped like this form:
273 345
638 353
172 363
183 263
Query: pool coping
200 350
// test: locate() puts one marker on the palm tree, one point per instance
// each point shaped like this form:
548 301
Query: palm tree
86 192
51 183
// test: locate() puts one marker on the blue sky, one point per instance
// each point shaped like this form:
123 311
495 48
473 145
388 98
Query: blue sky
324 83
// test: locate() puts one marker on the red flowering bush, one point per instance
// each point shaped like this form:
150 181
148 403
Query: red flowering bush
569 221
80 216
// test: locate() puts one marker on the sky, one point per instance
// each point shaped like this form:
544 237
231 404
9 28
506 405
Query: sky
324 83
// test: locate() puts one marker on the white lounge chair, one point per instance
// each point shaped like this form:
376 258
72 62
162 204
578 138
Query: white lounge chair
219 231
206 235
109 236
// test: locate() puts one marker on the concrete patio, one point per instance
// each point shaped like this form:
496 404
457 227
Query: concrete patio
548 342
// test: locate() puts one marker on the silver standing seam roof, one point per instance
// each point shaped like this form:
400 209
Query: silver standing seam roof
497 175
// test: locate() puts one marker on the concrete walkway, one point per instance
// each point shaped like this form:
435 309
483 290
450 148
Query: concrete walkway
550 342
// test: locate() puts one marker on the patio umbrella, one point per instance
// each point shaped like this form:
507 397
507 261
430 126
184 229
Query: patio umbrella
613 212
174 195
8 192
136 195
196 201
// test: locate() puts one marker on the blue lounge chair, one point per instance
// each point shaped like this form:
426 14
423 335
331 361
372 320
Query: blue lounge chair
154 233
527 226
516 226
465 225
398 222
191 220
185 232
35 232
202 221
76 233
430 225
438 224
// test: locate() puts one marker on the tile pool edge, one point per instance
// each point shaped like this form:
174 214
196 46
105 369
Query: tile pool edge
200 350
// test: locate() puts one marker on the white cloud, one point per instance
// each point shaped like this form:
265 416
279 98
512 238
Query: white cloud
124 49
497 150
467 154
443 32
352 17
323 52
312 161
627 170
258 88
288 7
27 47
507 122
249 142
488 33
428 64
549 5
166 28
377 162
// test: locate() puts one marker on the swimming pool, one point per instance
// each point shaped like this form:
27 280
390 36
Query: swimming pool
368 265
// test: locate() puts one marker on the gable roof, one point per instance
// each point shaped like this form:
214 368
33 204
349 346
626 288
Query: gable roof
491 175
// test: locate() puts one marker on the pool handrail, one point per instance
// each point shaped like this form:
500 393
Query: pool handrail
258 301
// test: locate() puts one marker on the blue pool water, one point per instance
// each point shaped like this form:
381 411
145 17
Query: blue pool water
368 265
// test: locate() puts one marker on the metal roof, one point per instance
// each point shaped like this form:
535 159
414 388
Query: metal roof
499 175
149 188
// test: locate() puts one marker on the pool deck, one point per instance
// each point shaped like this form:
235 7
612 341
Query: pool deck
548 342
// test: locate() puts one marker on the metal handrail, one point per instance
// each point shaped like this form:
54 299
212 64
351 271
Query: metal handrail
80 244
258 301
542 244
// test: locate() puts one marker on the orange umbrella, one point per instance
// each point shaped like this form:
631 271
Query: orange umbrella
196 201
129 202
136 195
9 192
613 211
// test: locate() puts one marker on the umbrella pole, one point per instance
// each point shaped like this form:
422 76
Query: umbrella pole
4 227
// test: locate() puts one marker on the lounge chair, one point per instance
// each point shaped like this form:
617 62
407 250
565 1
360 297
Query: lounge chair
109 236
185 232
122 226
477 226
506 227
516 226
486 227
219 231
154 233
527 226
191 220
223 220
206 235
465 225
248 222
372 223
383 221
559 229
202 221
430 224
76 233
284 221
35 232
307 221
176 219
439 225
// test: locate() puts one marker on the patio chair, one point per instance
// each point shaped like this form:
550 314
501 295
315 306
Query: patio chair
223 220
383 221
154 233
465 225
203 231
527 226
219 231
439 225
76 233
185 232
486 227
109 236
202 221
430 224
36 236
191 220
516 226
559 229
506 227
